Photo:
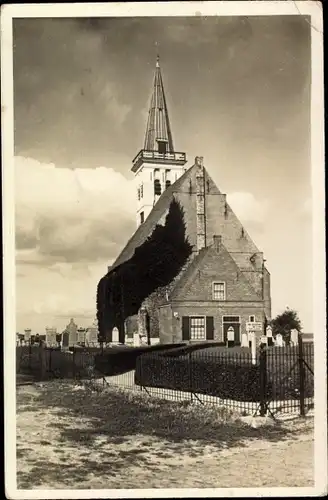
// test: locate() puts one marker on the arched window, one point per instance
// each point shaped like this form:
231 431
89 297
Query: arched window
157 187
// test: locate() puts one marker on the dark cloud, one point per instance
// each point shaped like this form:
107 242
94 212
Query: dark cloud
238 90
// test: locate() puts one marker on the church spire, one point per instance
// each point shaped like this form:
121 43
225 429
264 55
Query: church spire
157 165
158 132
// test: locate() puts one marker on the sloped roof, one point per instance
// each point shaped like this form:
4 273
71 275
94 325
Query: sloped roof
158 124
183 189
189 271
145 229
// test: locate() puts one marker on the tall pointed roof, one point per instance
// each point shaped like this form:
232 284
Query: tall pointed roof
158 124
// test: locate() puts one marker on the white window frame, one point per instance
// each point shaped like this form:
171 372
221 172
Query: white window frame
252 320
224 289
197 316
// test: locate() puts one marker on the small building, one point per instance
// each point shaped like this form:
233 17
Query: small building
190 271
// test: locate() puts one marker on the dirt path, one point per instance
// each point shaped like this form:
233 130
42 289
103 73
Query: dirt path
84 439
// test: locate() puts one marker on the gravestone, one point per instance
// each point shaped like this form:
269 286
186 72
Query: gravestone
231 336
244 340
294 337
115 335
269 336
143 339
65 339
279 340
263 340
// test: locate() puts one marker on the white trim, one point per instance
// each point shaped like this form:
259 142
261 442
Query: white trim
197 316
224 287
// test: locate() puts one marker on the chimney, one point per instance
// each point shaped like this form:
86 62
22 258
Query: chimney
217 241
200 204
199 161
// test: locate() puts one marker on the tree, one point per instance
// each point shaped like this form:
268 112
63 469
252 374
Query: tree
285 322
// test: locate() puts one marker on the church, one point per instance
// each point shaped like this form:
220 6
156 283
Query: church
190 271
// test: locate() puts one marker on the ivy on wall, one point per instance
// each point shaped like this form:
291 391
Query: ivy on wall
154 264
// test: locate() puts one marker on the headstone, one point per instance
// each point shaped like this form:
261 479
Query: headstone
115 335
294 337
269 336
231 336
244 340
143 339
136 339
253 347
279 340
263 340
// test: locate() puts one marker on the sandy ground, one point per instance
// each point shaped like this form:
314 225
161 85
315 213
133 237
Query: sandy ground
81 438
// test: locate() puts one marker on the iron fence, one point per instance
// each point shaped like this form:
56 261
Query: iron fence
277 380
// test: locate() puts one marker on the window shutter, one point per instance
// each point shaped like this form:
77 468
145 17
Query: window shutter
209 328
185 328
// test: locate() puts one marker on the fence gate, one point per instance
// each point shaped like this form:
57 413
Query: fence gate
287 379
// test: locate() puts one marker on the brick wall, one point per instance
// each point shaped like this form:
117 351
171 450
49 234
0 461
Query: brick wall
267 293
215 265
205 308
166 322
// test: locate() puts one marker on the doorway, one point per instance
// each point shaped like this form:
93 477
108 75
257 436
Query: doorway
227 322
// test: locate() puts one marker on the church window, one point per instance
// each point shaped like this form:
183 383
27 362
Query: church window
157 187
197 328
252 319
138 194
218 292
142 217
141 191
167 184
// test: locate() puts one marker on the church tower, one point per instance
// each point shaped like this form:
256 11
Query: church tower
157 165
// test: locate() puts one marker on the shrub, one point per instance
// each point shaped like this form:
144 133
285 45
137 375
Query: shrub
118 362
211 376
183 350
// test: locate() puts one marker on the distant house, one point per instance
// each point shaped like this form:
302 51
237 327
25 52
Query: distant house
191 270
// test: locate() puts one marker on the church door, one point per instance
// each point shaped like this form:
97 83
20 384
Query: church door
233 321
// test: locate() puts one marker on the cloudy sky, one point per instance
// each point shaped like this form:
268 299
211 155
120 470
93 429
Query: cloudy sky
238 92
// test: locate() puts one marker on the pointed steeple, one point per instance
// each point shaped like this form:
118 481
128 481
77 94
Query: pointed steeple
157 165
158 131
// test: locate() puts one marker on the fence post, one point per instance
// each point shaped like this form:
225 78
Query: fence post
43 360
50 359
302 375
73 358
190 376
263 381
29 355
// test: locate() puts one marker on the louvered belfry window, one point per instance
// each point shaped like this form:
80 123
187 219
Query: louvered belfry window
157 187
